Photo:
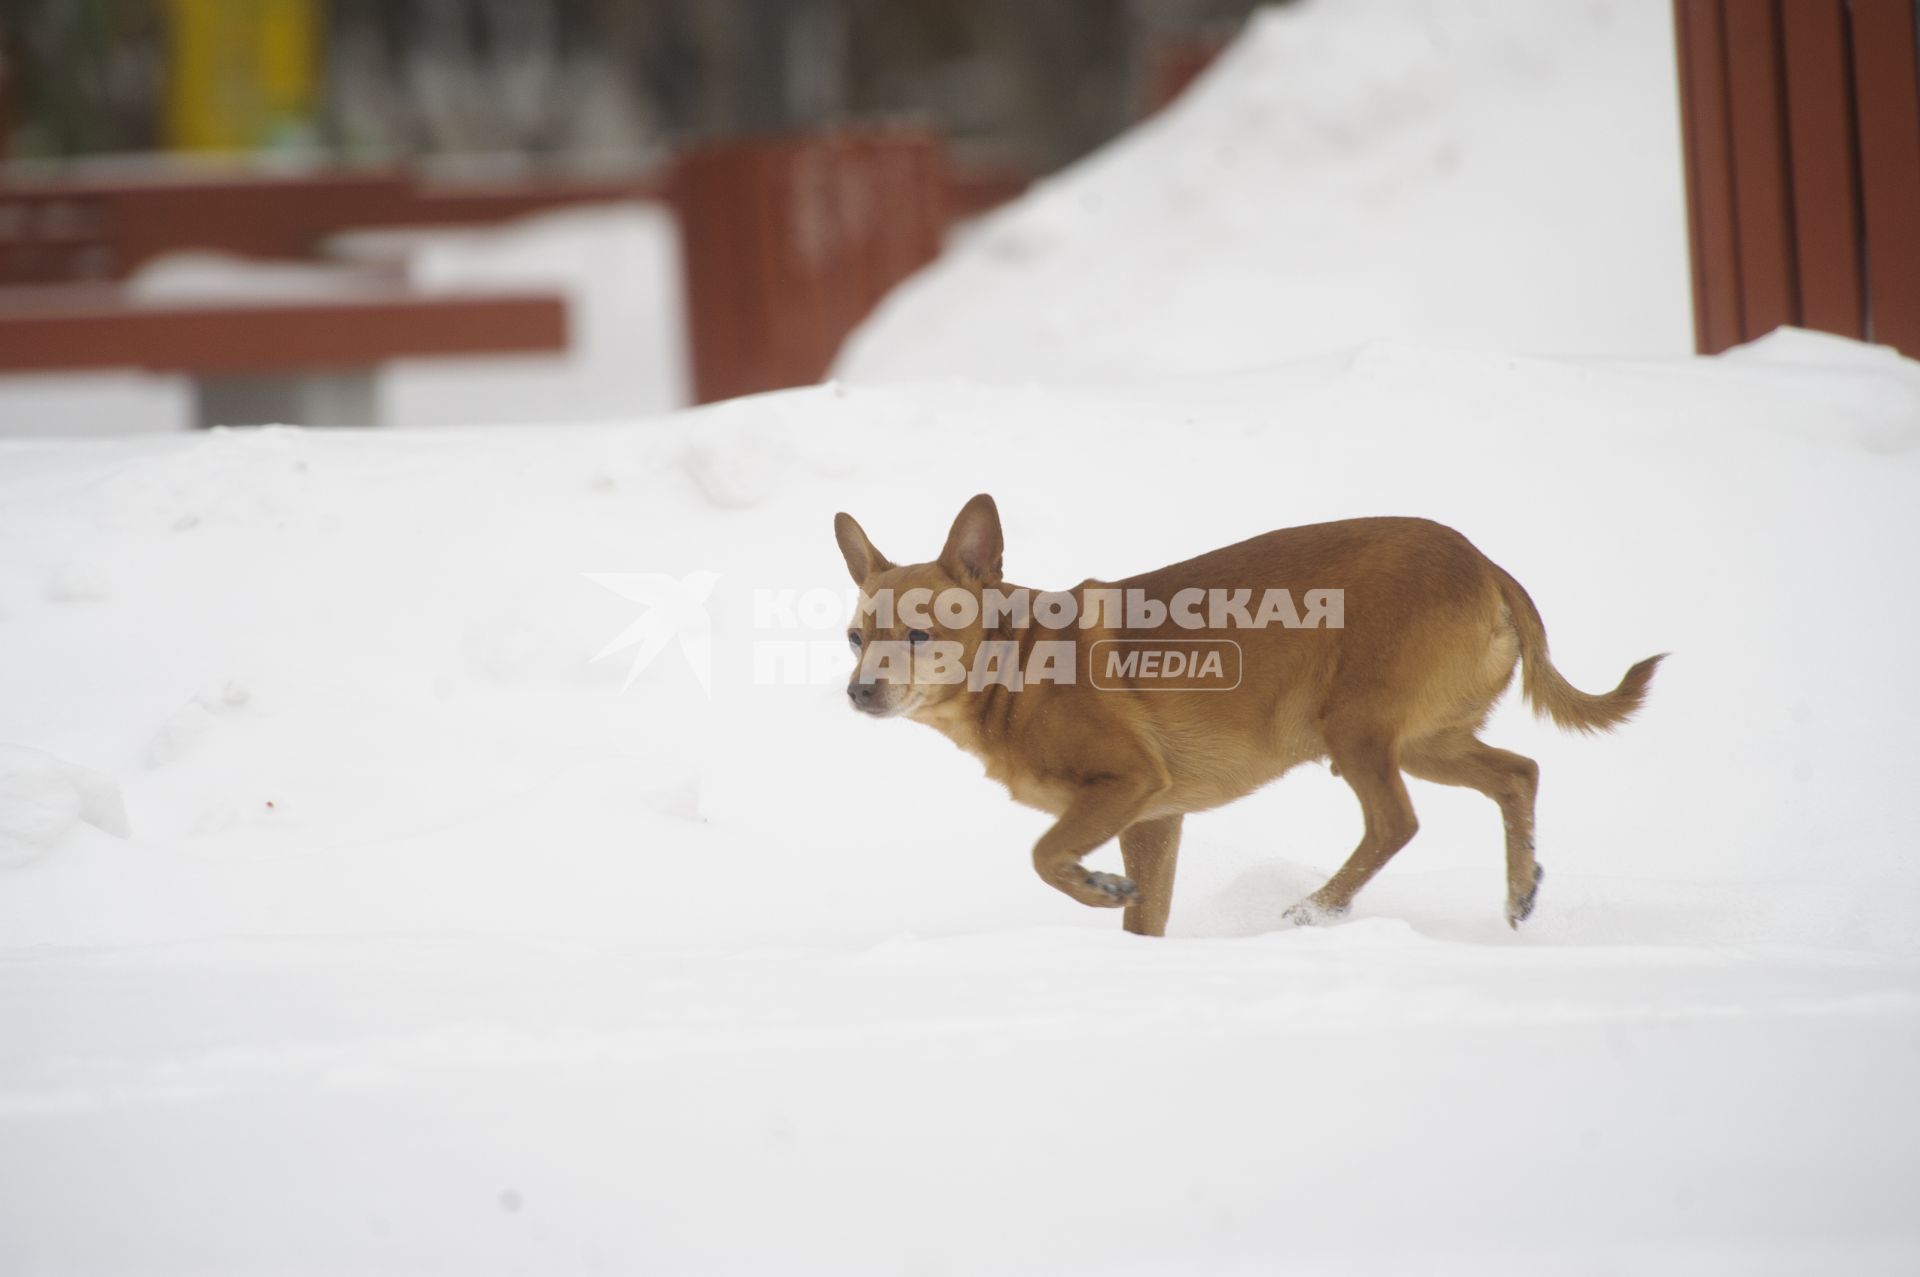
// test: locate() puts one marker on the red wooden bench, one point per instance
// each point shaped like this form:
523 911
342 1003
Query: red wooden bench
72 327
308 361
106 229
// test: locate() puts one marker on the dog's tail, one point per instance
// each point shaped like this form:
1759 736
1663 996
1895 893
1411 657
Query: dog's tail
1550 694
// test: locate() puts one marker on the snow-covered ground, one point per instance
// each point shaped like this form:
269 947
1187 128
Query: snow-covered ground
1491 174
355 918
431 948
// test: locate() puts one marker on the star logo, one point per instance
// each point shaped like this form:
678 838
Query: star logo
673 609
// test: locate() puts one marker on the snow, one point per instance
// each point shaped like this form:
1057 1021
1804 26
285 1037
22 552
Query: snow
207 276
42 798
70 405
431 947
1492 174
619 267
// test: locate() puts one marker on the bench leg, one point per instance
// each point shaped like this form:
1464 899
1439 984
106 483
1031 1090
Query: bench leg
309 399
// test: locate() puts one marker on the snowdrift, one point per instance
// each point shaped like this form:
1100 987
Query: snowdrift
1498 175
428 945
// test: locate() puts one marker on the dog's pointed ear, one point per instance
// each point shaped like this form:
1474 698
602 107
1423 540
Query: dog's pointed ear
974 546
862 559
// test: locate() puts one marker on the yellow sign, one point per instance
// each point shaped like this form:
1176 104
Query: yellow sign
242 74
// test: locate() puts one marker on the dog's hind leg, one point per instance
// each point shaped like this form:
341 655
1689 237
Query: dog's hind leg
1150 849
1511 780
1365 760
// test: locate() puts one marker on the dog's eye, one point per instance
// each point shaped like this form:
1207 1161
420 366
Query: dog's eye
918 636
853 639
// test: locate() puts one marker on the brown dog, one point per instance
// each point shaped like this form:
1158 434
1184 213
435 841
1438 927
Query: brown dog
1119 707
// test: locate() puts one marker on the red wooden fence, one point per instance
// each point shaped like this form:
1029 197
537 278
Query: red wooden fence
1801 122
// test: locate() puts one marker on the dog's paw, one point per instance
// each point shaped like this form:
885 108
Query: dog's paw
1519 909
1313 913
1108 891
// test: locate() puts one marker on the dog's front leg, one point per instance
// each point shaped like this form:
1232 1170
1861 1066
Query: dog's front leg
1099 812
1150 848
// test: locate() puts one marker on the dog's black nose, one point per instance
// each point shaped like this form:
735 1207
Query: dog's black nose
861 694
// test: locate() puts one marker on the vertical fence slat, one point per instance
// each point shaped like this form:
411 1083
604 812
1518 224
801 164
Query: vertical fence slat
1707 138
1826 180
728 250
1768 292
1887 101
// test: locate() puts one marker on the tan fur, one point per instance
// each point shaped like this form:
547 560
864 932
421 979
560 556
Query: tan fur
1432 633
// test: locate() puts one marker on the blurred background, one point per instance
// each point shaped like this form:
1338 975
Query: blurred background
579 85
439 211
426 212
